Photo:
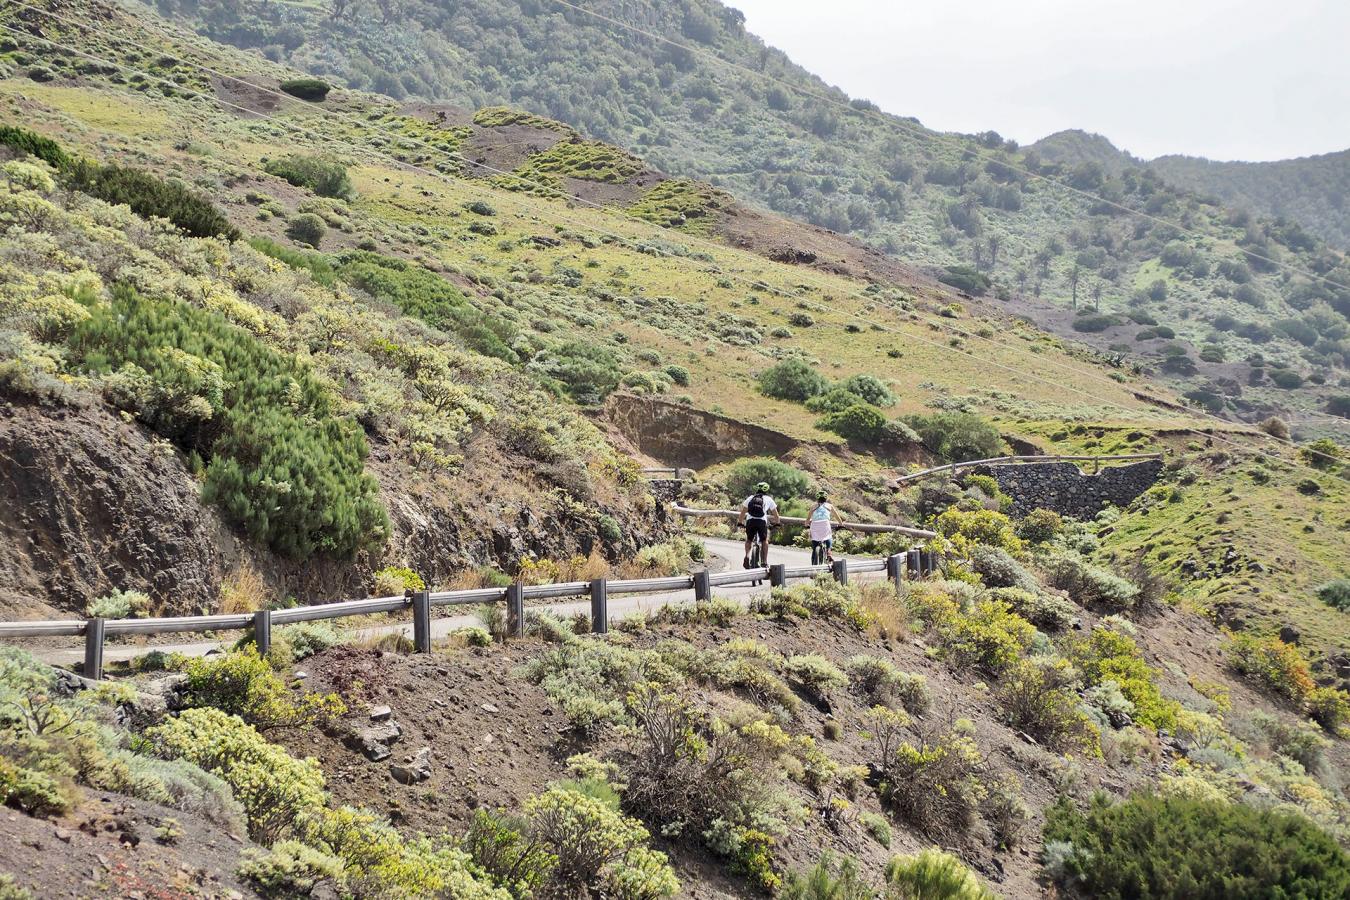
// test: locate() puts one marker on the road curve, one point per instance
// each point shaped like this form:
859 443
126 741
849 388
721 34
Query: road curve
729 552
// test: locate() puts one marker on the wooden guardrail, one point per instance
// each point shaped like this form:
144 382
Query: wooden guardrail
914 563
999 460
861 527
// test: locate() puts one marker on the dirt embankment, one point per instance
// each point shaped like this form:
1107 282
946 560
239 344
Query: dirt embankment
90 502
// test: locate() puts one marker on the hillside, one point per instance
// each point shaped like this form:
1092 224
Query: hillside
707 99
266 340
1310 191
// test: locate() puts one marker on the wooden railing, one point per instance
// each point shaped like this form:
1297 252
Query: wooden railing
674 472
861 527
914 563
999 460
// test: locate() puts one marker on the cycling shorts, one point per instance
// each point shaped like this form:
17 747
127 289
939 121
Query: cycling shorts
757 529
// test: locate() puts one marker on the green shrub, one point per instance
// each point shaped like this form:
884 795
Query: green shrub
480 208
10 890
379 862
322 175
1040 526
289 869
502 848
598 849
1048 612
275 788
44 148
151 196
785 481
242 683
1330 708
997 568
936 786
281 463
1273 664
1094 322
964 278
304 639
860 422
990 636
933 874
306 228
877 827
311 89
813 672
1108 655
882 683
120 605
792 379
319 267
32 791
419 292
967 529
870 388
1038 696
1336 594
828 880
585 371
677 375
957 436
835 400
1175 847
1090 585
822 598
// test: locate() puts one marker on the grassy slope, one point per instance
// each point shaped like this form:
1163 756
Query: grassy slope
697 117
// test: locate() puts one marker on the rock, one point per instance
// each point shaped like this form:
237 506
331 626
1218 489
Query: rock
64 834
374 740
1290 635
489 708
416 769
380 713
301 676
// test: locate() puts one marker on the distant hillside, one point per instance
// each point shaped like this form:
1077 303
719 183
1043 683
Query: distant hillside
1310 191
1313 191
1181 304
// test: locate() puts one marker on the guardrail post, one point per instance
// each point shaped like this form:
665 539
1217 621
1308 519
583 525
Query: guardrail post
600 606
93 649
839 569
702 585
778 575
926 562
912 562
895 570
515 609
421 604
262 631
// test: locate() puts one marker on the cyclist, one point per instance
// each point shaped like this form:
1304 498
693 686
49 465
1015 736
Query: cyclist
758 511
821 520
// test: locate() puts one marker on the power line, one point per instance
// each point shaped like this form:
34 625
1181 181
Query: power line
925 134
721 248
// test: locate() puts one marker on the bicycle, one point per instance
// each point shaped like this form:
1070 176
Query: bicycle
759 553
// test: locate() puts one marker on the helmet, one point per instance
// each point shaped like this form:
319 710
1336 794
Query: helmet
762 487
820 495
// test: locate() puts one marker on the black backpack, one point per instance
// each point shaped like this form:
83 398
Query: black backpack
756 506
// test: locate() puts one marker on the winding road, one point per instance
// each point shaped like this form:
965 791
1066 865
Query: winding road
729 552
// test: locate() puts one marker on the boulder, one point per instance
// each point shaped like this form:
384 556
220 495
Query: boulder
413 769
374 740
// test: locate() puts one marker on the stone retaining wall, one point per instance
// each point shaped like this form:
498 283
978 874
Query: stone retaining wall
1062 487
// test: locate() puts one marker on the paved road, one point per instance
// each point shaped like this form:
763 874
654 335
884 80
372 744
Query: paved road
729 552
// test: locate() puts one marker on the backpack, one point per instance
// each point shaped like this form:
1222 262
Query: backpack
756 506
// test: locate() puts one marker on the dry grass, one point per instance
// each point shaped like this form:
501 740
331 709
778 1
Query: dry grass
244 590
888 618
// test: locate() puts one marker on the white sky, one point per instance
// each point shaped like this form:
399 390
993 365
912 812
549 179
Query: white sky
1226 79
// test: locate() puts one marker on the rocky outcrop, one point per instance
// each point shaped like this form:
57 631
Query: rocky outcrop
92 502
679 435
1062 487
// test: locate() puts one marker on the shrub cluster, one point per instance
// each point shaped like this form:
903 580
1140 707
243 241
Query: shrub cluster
422 293
957 436
1090 585
150 196
1175 847
242 683
322 175
312 89
280 463
1108 655
1283 669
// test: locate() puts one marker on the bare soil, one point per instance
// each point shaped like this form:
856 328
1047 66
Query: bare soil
107 847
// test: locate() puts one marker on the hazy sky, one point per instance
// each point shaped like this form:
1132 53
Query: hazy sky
1227 79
